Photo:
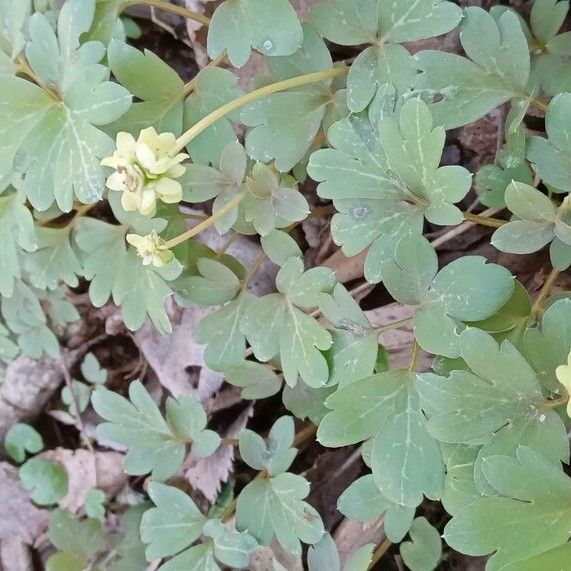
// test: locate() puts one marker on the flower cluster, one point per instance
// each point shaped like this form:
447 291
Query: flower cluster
152 249
145 170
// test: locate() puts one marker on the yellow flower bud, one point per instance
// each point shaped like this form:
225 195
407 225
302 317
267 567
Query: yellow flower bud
151 249
563 373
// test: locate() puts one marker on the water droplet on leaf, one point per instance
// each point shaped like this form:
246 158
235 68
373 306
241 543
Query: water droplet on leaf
361 212
267 45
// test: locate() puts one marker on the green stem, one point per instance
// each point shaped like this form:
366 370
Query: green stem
191 85
173 8
228 108
253 269
206 224
484 220
549 283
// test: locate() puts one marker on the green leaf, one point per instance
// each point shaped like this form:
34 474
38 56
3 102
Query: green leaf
95 504
556 558
16 232
425 550
324 555
276 325
383 181
280 247
14 15
45 480
173 525
217 283
530 516
492 181
116 270
257 381
77 398
106 21
270 202
459 487
155 445
74 537
161 100
92 370
353 354
406 460
65 562
285 124
269 26
276 454
63 150
497 402
128 545
54 260
363 501
546 345
497 71
22 438
370 21
551 156
306 402
275 507
213 87
24 315
222 335
197 558
468 289
230 547
384 24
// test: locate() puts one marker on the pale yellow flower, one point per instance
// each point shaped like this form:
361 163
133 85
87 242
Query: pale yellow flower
563 373
145 170
151 249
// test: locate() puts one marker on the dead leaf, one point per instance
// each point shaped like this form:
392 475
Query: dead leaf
15 556
207 474
176 359
85 470
263 557
351 534
346 268
20 520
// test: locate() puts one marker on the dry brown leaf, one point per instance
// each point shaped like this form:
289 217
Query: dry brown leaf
351 535
262 558
207 474
20 520
176 359
85 471
346 268
15 556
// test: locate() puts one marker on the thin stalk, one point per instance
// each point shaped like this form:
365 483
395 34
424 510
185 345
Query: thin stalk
381 549
544 292
191 85
253 269
206 224
228 108
555 403
230 441
174 9
484 220
393 325
414 356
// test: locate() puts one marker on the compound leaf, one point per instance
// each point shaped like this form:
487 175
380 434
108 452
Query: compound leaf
530 516
173 525
406 461
497 71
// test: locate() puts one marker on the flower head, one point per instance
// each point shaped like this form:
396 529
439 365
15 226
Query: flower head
145 170
563 373
151 248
